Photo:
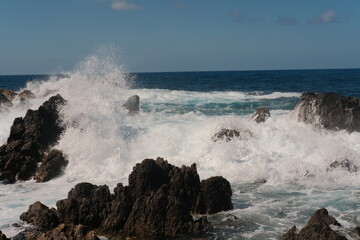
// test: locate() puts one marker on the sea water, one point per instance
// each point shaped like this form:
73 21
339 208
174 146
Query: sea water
278 170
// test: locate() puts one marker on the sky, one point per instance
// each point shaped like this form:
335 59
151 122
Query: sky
52 36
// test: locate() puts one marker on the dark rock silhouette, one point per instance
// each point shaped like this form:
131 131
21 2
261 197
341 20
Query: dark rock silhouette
157 203
261 114
3 237
329 110
229 134
318 228
41 216
52 166
132 104
215 196
30 137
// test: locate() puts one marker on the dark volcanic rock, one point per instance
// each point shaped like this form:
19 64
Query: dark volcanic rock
132 104
318 228
228 134
215 196
329 110
157 203
41 216
29 138
261 114
3 237
52 166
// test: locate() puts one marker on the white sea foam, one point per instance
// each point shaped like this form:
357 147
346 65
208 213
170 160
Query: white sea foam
103 143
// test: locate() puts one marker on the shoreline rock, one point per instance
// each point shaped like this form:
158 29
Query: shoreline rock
261 114
329 110
30 138
158 203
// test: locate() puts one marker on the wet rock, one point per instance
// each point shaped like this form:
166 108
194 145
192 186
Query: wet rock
4 101
215 196
86 204
29 138
343 164
26 94
52 166
9 94
229 134
318 228
261 114
69 232
329 110
132 104
41 216
3 237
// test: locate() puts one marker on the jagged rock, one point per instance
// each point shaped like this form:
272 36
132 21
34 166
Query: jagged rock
157 203
215 196
318 228
228 134
29 138
9 94
52 166
132 104
41 216
261 114
343 164
329 110
26 94
86 204
4 100
3 237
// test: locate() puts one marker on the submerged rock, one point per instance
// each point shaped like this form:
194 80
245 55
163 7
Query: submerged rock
30 137
329 110
132 104
228 134
318 228
261 114
157 203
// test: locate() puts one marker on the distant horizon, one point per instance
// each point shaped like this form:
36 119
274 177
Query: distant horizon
249 70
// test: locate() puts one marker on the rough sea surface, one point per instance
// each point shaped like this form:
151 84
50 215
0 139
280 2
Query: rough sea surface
279 170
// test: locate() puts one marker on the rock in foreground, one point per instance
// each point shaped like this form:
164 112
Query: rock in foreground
318 228
157 203
329 110
30 138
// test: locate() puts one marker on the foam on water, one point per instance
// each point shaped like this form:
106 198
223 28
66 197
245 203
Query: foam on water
103 143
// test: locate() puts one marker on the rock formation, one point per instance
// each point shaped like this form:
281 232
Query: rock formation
329 110
132 104
30 138
9 94
229 134
26 94
318 228
261 114
157 203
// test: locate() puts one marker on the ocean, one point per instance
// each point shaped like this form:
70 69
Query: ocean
279 173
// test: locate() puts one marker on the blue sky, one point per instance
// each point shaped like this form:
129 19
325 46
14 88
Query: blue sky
52 36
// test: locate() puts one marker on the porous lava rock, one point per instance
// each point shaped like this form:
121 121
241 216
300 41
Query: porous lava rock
41 216
329 110
158 202
318 228
52 166
30 137
132 104
261 114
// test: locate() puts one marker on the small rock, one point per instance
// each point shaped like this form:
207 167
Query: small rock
52 166
228 134
132 104
3 237
4 100
261 114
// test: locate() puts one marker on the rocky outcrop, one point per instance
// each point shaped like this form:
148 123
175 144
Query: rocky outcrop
343 164
157 203
215 196
229 134
261 114
41 216
3 237
318 228
329 110
26 94
9 94
30 137
52 166
132 104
